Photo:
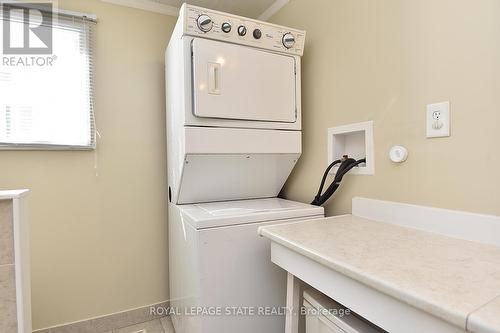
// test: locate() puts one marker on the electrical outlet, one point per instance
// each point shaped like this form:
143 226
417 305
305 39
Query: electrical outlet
438 120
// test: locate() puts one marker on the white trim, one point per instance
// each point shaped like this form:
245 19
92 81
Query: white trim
292 304
463 225
273 9
92 17
57 10
109 316
17 265
22 264
12 194
148 5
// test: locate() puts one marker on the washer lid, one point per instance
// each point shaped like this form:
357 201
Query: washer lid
217 214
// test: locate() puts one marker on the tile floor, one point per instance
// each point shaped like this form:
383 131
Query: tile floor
162 325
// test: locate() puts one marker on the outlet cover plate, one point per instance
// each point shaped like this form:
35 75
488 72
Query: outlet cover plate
438 120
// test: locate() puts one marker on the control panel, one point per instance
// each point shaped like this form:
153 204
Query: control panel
240 30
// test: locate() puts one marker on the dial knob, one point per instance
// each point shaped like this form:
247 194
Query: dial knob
257 34
242 30
226 27
288 40
204 23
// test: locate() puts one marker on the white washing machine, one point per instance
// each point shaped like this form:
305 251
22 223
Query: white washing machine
233 137
219 263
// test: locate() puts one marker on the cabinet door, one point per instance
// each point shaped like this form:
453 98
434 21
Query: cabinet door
326 326
316 323
311 323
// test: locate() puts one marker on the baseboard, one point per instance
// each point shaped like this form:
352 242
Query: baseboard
108 322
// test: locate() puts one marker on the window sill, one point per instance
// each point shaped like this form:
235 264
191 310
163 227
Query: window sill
13 146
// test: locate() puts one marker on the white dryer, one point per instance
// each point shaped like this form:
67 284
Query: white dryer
233 132
233 106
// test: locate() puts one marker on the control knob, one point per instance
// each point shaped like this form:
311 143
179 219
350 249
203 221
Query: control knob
257 34
205 23
288 40
242 30
226 27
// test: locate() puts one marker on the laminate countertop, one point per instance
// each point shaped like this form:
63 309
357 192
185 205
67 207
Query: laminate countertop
453 279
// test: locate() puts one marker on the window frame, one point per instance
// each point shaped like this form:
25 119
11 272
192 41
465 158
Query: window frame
91 19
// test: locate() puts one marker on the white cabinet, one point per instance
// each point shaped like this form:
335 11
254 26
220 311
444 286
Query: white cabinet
324 315
15 284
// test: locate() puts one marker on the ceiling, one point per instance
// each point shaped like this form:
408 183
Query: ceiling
249 8
261 9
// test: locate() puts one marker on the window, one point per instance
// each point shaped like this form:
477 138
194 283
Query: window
46 100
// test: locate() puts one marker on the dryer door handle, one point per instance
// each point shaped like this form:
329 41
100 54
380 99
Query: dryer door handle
214 78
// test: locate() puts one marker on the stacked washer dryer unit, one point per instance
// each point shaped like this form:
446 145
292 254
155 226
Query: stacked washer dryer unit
234 135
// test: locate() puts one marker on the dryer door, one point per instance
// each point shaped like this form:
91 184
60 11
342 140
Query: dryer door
238 82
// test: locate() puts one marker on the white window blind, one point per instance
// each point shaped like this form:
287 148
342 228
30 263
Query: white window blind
50 106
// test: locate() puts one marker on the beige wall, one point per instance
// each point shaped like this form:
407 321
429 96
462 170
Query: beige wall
99 242
385 60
